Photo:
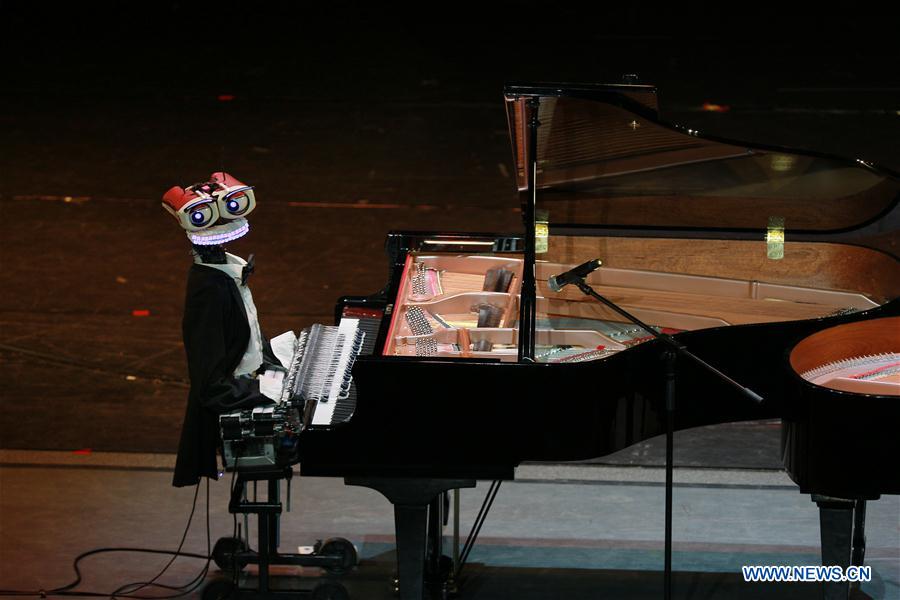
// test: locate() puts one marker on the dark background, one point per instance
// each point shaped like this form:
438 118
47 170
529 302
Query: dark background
350 120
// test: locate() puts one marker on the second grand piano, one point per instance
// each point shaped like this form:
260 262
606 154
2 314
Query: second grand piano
773 265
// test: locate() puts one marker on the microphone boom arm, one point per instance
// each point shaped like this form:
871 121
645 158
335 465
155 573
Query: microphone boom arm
677 347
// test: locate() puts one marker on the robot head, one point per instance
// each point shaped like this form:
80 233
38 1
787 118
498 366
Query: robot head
213 212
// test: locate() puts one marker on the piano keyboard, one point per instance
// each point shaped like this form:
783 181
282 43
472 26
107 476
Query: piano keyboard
345 407
320 369
318 385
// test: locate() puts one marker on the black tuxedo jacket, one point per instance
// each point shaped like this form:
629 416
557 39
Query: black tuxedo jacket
216 333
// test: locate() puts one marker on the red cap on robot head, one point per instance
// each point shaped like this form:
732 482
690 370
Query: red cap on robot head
212 212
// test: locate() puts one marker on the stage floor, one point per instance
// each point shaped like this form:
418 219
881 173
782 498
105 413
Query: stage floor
579 531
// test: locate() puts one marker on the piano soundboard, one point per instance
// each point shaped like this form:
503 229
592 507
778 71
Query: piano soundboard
467 306
862 358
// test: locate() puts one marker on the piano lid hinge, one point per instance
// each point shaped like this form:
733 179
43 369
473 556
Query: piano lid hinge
775 238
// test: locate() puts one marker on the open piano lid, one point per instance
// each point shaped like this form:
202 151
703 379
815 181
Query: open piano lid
606 160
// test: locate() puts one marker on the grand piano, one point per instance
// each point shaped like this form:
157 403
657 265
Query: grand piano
779 267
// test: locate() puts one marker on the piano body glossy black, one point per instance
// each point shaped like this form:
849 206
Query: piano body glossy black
779 267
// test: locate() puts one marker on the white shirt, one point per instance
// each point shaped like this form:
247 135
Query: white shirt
253 357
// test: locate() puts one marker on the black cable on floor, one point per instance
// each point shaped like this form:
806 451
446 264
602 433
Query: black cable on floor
142 585
67 590
186 588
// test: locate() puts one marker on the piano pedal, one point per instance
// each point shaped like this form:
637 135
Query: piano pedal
443 583
449 587
442 586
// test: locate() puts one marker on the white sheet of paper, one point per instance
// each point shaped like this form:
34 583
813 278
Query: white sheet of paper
271 384
283 347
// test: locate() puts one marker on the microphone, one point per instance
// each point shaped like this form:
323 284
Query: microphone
558 282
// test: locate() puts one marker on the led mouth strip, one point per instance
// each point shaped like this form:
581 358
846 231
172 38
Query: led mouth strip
220 234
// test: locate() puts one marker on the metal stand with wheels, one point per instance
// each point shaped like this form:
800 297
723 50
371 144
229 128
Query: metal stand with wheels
232 555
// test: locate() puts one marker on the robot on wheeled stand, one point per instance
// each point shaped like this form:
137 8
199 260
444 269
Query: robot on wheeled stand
259 448
232 554
236 385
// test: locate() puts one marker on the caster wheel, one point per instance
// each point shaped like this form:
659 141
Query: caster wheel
330 590
344 549
224 551
218 589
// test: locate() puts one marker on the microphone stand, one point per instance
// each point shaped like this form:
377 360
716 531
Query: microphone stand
673 350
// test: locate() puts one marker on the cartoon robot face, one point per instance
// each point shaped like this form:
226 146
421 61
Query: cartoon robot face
212 212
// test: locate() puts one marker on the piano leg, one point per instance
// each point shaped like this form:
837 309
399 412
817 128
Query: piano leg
858 554
410 523
411 498
438 567
836 531
859 534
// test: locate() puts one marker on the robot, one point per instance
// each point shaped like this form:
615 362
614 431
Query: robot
235 374
230 363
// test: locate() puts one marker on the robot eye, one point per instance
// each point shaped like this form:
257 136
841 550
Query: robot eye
237 203
201 215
